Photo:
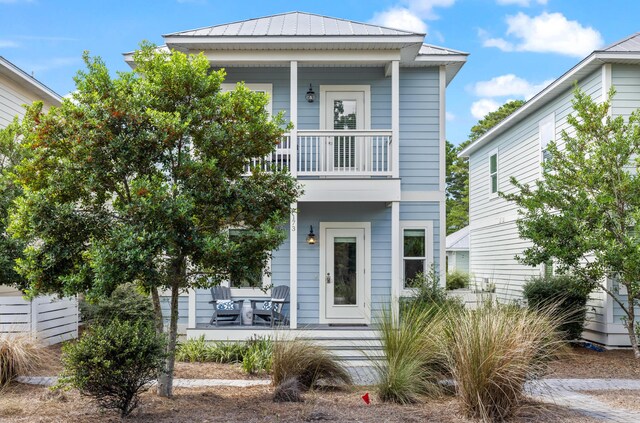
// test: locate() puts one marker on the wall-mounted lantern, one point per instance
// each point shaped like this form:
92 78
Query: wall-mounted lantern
311 238
311 95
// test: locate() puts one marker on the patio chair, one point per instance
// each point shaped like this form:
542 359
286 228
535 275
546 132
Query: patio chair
225 310
269 312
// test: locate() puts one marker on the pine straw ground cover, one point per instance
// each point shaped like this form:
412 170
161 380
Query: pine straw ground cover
587 364
624 398
22 403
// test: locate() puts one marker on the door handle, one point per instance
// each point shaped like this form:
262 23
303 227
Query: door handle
328 278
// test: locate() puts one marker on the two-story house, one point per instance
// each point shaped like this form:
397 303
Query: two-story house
367 104
516 147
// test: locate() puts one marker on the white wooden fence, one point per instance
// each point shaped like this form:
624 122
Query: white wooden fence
50 319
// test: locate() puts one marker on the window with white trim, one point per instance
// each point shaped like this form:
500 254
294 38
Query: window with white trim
417 249
255 279
546 134
259 88
493 173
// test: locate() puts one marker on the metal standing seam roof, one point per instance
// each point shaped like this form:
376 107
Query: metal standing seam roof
292 24
458 241
629 44
431 50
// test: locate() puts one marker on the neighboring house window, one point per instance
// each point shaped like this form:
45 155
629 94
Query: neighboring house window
259 88
254 279
493 172
546 133
417 249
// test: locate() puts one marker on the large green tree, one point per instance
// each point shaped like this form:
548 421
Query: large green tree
140 177
457 172
584 213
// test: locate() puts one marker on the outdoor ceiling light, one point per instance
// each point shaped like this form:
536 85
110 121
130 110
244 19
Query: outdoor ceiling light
311 238
311 95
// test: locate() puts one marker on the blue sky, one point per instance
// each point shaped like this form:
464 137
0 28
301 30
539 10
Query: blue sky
516 46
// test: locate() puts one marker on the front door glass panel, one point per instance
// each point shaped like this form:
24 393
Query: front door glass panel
345 270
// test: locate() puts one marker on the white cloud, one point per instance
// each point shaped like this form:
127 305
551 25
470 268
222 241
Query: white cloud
450 117
546 33
47 65
400 18
480 108
8 43
523 3
410 15
508 85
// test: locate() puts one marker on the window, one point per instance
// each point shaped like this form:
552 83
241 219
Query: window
546 133
259 88
417 251
493 173
256 278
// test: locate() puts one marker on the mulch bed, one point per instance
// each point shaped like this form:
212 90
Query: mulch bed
624 398
582 363
22 403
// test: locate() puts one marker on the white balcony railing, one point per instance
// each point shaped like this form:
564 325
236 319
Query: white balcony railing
334 153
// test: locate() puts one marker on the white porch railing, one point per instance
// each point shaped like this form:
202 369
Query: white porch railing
333 153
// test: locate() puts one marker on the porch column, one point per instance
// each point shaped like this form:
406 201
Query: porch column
293 266
192 309
396 282
293 218
395 117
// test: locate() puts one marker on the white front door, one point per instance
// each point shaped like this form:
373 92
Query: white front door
344 284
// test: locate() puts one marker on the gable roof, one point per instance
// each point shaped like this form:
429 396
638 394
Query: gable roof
626 51
292 24
28 82
458 241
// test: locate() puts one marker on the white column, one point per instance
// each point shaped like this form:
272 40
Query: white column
192 309
293 266
396 283
293 218
442 164
293 107
395 117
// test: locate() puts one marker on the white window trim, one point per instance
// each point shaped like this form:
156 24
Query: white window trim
346 88
267 88
253 292
427 225
550 119
496 153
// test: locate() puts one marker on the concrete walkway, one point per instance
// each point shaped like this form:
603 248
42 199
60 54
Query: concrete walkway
563 392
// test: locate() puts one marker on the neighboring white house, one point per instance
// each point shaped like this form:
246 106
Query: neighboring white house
51 319
367 104
515 148
458 251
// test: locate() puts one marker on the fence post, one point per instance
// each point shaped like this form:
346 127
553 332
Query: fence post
33 317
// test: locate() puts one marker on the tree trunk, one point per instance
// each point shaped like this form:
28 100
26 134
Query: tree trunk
157 310
631 323
165 381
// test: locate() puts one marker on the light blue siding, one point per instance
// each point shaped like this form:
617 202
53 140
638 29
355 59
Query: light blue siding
424 211
309 113
309 255
419 129
183 309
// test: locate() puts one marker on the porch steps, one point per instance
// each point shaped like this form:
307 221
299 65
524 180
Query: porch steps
353 351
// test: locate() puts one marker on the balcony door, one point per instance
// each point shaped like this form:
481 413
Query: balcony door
345 108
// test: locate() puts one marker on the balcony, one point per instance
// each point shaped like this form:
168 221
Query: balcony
346 154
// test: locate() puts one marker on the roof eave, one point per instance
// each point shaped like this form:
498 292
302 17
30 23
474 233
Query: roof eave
293 39
19 76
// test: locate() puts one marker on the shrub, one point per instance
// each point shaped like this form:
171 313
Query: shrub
566 295
258 356
19 354
307 362
195 350
114 363
124 303
457 280
428 293
491 351
413 354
